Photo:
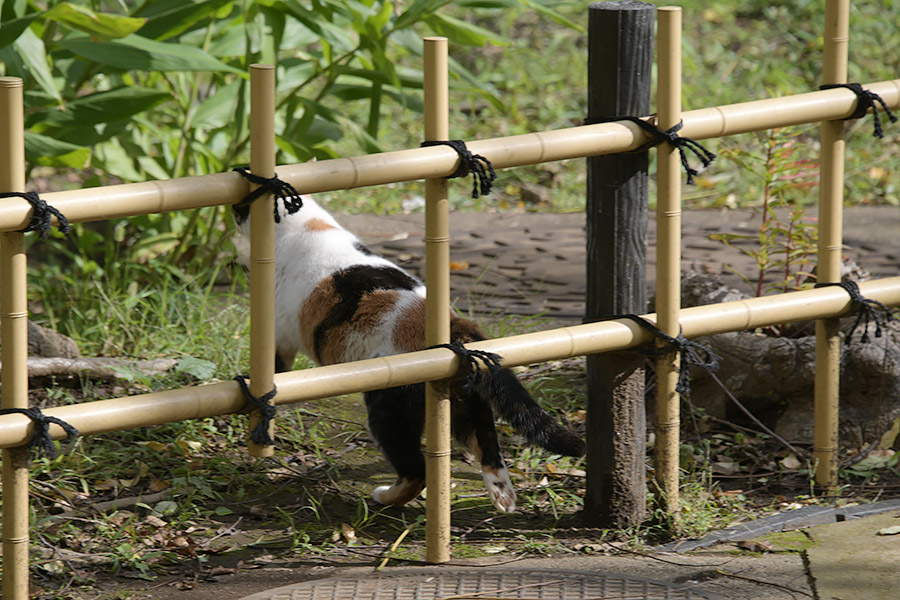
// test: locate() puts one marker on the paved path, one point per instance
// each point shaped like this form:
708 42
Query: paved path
534 263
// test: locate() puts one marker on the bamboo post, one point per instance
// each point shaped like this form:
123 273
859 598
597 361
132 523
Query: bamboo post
831 201
14 342
668 268
620 60
437 309
262 244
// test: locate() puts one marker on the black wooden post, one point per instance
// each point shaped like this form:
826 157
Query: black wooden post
620 45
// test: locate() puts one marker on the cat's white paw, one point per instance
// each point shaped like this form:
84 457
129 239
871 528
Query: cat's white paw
379 494
398 494
500 489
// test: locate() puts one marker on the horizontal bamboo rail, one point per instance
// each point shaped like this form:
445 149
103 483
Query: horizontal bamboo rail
133 199
223 398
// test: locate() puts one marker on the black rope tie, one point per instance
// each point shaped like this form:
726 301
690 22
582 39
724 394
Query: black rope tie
260 433
869 311
42 216
482 171
41 438
671 136
865 100
468 362
692 353
282 190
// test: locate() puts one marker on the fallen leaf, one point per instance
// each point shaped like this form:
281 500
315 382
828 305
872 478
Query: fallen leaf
458 265
889 530
791 462
154 521
889 436
348 533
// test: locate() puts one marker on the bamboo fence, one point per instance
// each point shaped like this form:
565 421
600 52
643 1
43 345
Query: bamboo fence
433 164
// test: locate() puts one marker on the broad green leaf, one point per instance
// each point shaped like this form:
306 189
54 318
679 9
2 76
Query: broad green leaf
136 52
115 160
366 142
31 50
50 152
103 107
102 26
10 30
178 16
196 367
461 32
218 108
416 10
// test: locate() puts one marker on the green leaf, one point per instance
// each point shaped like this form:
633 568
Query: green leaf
50 152
136 52
416 10
31 50
11 30
461 32
218 108
196 367
103 107
552 14
178 16
102 26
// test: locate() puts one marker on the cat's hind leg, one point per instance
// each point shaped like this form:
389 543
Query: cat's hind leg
396 419
473 425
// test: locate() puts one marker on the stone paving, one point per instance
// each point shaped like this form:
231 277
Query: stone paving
534 263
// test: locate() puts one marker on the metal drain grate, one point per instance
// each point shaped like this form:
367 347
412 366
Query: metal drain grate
474 584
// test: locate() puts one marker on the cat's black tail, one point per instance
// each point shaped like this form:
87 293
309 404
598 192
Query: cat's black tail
503 391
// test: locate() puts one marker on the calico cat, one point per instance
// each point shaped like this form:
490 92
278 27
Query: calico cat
338 302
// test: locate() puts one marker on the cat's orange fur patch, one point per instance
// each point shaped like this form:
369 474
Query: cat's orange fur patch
314 310
372 309
318 225
409 329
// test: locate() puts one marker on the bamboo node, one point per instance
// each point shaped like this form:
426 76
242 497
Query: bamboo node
436 453
14 315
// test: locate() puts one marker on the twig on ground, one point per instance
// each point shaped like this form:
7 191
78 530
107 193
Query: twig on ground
763 582
120 503
753 418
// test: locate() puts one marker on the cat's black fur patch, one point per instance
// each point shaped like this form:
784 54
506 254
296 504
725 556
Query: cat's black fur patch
350 285
360 247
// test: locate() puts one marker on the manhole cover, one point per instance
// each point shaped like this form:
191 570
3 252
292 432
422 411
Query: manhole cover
478 584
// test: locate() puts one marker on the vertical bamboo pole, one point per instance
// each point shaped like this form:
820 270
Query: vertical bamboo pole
14 342
668 262
831 200
437 309
262 244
